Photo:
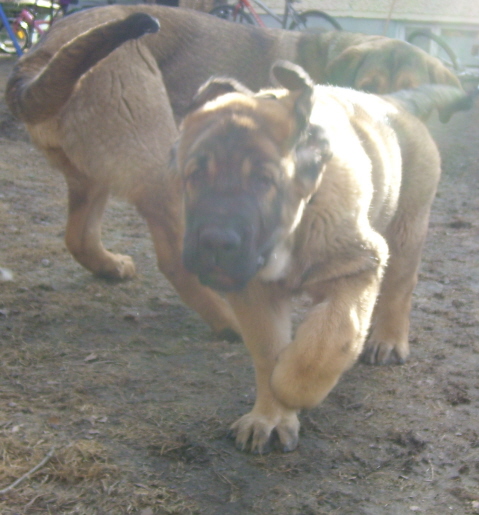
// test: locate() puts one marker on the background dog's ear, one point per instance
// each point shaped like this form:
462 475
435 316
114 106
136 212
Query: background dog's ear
341 71
295 79
214 88
367 66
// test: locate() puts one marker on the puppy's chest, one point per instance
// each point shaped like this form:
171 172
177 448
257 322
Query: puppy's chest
330 243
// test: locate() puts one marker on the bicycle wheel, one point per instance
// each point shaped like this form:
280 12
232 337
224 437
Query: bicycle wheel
21 33
232 13
439 48
315 21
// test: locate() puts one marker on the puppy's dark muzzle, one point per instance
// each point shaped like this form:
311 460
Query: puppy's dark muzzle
217 257
223 257
219 244
220 241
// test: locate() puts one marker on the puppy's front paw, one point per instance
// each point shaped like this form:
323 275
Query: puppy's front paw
259 434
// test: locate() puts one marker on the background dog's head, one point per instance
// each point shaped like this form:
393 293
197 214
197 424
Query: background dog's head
380 65
249 163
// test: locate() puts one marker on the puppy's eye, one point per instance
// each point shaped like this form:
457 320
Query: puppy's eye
261 180
197 175
199 172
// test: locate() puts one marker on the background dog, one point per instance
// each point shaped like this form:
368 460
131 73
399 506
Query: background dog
106 116
309 189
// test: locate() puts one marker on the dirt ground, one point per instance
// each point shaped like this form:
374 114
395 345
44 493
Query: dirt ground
124 398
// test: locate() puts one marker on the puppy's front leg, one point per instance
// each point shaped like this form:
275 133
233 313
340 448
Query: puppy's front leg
264 313
328 341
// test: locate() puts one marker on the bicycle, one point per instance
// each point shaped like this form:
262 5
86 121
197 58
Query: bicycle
291 19
29 24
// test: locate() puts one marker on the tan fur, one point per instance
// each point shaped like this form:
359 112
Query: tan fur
355 250
109 130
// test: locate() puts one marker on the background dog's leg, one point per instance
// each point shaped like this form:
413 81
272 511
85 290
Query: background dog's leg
83 232
327 343
265 318
167 238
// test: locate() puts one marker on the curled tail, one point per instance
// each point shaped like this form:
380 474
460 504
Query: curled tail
424 99
37 90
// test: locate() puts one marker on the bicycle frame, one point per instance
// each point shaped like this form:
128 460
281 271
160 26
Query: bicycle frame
25 16
250 8
10 32
30 23
282 21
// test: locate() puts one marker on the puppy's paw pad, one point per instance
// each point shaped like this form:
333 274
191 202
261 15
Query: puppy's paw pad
382 353
259 435
287 437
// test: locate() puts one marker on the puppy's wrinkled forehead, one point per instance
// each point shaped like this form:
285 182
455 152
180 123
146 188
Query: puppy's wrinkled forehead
234 121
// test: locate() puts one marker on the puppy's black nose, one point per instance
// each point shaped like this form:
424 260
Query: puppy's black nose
219 241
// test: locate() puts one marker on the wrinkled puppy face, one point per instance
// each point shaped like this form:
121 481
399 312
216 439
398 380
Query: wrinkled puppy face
243 193
382 65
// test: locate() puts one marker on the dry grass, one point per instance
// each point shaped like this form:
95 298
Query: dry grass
79 478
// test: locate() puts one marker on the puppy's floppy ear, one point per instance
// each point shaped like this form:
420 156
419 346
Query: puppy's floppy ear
312 147
295 79
290 76
214 88
312 154
173 163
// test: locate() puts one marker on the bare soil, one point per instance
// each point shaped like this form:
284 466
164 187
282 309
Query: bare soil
130 397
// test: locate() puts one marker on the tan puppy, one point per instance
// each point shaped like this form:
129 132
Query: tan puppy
108 126
324 191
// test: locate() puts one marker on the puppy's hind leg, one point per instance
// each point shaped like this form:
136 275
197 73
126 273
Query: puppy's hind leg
86 204
388 342
405 235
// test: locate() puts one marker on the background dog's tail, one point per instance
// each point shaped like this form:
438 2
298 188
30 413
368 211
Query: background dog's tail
41 84
423 100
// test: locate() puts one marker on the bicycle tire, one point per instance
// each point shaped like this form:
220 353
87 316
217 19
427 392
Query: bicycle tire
6 44
231 13
452 62
315 20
